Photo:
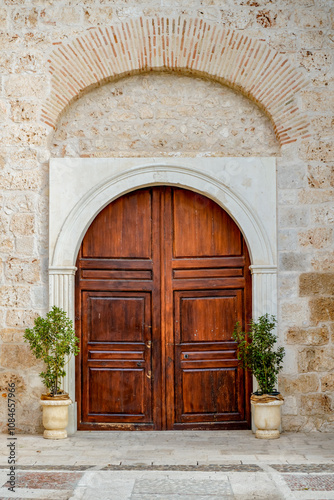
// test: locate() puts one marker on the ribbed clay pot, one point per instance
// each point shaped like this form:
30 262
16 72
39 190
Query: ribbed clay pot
55 416
267 418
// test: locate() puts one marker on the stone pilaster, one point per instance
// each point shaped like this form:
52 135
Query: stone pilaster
61 294
264 279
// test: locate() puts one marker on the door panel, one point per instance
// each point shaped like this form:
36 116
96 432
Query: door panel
124 401
201 228
207 375
208 318
116 319
117 358
163 275
217 396
122 230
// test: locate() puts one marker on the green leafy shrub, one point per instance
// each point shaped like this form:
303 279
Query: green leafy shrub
52 339
256 351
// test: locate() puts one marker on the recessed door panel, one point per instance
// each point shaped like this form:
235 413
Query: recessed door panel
116 319
122 230
217 395
124 400
117 362
209 317
201 228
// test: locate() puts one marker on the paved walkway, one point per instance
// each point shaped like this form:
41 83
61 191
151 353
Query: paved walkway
189 465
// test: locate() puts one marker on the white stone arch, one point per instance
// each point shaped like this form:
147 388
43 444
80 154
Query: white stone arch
81 188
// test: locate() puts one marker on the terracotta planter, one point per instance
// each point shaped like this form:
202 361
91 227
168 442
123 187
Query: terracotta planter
55 416
267 415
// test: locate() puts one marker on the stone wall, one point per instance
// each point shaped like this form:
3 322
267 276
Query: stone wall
164 114
214 121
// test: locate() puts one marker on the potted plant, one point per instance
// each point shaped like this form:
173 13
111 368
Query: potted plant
52 339
256 352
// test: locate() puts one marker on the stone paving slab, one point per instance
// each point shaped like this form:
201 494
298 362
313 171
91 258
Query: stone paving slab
130 484
172 465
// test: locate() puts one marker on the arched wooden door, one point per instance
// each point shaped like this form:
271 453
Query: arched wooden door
163 275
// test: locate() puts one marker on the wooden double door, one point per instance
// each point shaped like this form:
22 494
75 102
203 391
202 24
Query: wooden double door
163 275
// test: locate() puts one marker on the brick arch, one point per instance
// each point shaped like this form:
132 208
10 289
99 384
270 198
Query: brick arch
179 44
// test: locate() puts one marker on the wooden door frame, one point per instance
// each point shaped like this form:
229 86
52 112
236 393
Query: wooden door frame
69 222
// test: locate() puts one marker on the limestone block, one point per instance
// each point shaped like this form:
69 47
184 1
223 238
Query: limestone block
29 62
2 318
2 162
316 284
293 423
315 404
322 80
94 16
311 17
323 261
17 357
294 312
24 245
8 377
281 43
315 60
31 86
315 196
22 318
293 216
3 18
24 180
4 221
23 111
298 385
6 245
317 150
14 296
323 126
326 424
72 15
319 175
23 158
322 309
327 382
293 261
308 336
322 215
312 39
19 202
29 415
9 41
320 237
290 406
315 359
6 63
287 239
26 134
25 18
287 197
22 270
287 285
9 335
291 176
23 224
40 296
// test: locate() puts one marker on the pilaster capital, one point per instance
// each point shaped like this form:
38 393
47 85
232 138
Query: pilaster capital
265 269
